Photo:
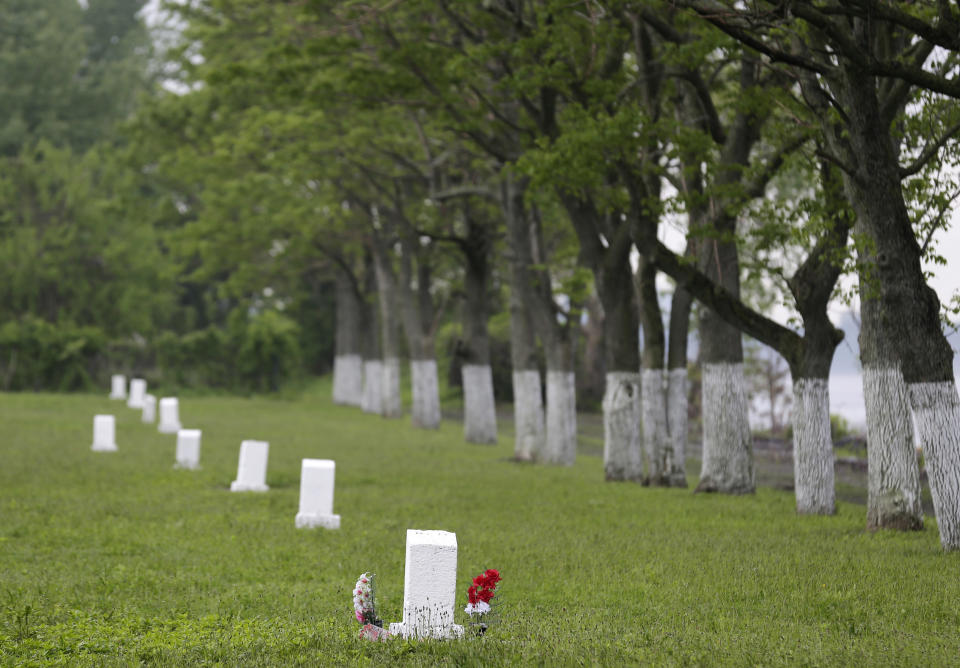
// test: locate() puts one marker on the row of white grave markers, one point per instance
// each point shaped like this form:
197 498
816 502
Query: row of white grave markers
316 475
430 562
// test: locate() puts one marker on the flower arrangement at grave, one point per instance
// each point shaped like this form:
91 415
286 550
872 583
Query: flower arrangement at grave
479 595
365 609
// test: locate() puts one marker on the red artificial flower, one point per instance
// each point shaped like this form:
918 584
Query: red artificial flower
485 595
472 594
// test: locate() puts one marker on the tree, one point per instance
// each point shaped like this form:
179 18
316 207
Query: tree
858 66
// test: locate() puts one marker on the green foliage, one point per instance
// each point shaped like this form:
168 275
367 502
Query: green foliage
112 559
839 427
35 354
70 251
69 71
268 350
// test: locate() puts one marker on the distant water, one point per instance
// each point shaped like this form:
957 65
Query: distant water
846 400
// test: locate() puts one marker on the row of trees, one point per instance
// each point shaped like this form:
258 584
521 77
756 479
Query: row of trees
523 159
535 151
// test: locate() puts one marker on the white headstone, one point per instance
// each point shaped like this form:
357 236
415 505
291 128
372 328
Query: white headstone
252 468
104 433
138 390
188 449
118 386
316 495
169 416
149 414
429 586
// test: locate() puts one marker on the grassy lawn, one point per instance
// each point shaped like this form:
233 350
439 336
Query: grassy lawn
118 559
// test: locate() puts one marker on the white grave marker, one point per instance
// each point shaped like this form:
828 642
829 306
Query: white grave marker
149 414
188 449
118 386
429 586
104 433
138 390
252 469
169 416
316 495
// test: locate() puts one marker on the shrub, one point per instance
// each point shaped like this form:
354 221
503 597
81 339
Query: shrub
268 350
39 355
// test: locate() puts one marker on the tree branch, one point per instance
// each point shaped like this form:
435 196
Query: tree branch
929 152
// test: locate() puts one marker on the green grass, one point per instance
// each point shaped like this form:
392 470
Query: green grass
118 559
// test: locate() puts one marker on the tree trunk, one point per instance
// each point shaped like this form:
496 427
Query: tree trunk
479 407
527 392
560 447
372 399
727 442
677 389
656 442
813 465
561 443
391 406
907 311
622 447
893 482
348 358
416 306
591 375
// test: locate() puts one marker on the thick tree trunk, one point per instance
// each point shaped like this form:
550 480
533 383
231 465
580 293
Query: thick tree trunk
528 414
528 411
907 310
372 399
727 442
813 448
416 307
561 442
479 407
656 442
348 358
560 446
391 406
622 458
893 483
480 415
592 372
677 386
622 446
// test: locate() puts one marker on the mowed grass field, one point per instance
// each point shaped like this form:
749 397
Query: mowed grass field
118 559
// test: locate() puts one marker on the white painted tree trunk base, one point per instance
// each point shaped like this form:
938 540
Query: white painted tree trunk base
677 427
372 387
654 414
561 444
893 475
527 415
479 407
348 380
813 473
937 411
425 412
390 388
622 457
727 442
